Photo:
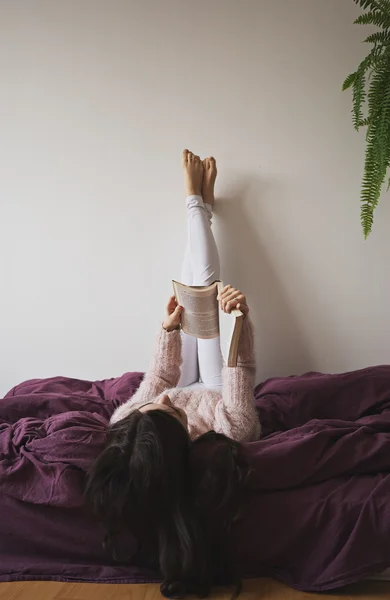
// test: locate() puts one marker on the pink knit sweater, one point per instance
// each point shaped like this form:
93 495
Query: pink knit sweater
231 412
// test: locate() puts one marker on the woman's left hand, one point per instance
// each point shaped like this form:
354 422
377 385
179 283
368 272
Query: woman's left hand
231 298
173 315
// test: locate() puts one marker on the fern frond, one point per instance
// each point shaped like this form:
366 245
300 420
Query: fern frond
380 37
374 18
379 5
349 81
370 193
359 88
384 5
373 74
359 96
367 219
373 58
377 94
377 158
359 85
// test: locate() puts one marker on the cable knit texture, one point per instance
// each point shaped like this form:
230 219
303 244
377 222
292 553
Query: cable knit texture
232 413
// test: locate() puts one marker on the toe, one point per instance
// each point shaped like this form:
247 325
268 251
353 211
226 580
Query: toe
185 156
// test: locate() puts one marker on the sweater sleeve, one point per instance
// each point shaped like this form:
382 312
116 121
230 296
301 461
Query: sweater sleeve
236 415
163 374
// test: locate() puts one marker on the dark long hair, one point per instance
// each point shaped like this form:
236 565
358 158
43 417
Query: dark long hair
176 497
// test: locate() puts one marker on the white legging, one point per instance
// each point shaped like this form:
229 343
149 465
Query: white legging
202 359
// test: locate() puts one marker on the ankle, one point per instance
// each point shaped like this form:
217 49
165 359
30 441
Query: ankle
193 190
208 197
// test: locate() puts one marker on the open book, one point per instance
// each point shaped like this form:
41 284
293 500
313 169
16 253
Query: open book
203 318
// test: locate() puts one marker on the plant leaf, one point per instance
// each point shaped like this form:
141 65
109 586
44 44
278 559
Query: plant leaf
379 5
380 37
359 96
377 157
370 85
374 18
359 87
349 81
384 5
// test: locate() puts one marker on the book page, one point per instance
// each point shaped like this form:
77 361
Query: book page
227 324
229 330
200 315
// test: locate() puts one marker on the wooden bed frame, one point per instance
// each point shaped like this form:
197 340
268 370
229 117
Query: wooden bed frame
256 589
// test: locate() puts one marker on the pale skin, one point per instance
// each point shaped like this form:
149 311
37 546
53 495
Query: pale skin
199 179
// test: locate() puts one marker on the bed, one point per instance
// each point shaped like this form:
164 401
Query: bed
316 516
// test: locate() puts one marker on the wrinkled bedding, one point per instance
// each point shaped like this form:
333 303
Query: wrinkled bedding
316 515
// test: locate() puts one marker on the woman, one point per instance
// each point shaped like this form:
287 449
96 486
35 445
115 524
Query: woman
147 479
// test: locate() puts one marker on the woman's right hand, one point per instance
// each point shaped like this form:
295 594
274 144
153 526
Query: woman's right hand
173 319
231 298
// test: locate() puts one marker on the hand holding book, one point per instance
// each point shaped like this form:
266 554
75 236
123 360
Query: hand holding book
173 315
230 298
208 312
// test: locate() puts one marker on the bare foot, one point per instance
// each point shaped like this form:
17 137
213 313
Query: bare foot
209 176
193 174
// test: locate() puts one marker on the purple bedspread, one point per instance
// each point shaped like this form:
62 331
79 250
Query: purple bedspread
317 516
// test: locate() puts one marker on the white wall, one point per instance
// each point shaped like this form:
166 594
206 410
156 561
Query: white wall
97 100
